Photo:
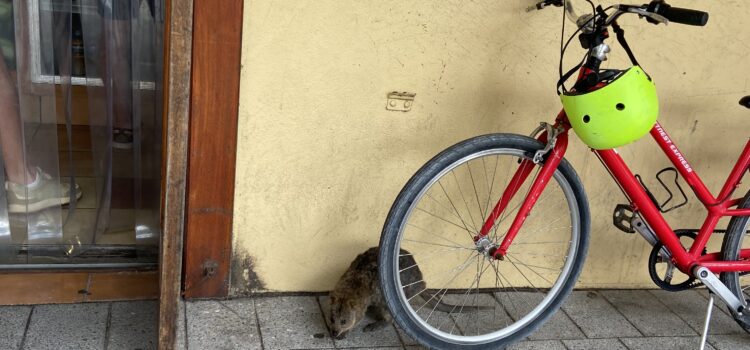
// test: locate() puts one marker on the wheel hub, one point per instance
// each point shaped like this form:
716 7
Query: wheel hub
486 248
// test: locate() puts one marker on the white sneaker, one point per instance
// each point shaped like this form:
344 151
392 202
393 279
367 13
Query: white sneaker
42 194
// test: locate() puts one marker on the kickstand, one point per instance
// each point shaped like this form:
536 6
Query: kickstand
704 337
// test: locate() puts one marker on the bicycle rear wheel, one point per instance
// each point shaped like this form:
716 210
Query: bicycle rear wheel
446 292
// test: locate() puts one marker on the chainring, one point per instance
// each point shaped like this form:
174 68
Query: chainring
655 258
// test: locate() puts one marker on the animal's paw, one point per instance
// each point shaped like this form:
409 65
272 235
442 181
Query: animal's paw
373 326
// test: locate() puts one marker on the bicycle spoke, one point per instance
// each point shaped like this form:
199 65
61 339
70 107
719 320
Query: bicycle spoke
446 283
535 254
438 236
428 257
437 244
476 194
463 198
448 221
534 271
489 185
546 228
460 269
456 210
476 295
517 261
524 276
498 283
515 291
480 271
446 291
550 242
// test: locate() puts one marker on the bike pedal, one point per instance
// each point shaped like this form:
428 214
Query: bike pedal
622 218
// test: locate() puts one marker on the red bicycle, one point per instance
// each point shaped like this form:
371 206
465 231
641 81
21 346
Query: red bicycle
499 224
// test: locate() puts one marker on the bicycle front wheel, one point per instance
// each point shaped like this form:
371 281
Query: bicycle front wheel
444 290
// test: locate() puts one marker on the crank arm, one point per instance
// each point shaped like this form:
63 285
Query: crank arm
714 284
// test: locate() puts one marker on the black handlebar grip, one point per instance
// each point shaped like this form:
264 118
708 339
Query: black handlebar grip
745 101
684 16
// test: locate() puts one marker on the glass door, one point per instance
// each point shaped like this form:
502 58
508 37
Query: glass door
80 132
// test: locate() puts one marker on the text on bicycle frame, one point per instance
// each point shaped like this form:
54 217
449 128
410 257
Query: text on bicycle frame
674 149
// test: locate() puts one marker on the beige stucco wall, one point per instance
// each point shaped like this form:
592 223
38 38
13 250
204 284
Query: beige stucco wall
320 159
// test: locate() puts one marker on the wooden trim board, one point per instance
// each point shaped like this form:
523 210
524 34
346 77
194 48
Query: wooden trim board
177 60
214 102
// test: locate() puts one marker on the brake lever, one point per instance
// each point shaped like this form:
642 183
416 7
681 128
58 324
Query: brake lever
643 13
542 4
655 17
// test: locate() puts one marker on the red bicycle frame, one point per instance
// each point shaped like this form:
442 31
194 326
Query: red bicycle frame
684 259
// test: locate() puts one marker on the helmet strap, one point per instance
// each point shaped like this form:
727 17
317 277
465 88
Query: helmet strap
620 33
561 83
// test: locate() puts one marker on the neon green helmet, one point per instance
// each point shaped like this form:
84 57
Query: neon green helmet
616 114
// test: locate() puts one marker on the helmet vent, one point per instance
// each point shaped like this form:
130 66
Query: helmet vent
586 118
620 106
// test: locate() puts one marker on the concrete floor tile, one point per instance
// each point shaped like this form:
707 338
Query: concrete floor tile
357 338
558 326
469 323
180 342
664 343
215 325
12 325
408 341
71 326
596 316
703 292
243 307
647 314
481 321
133 325
730 341
297 323
691 307
292 322
594 344
440 319
538 345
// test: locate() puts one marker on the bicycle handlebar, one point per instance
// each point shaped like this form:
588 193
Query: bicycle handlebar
657 11
679 15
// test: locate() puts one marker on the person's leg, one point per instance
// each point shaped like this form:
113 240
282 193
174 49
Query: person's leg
11 137
116 68
27 191
117 32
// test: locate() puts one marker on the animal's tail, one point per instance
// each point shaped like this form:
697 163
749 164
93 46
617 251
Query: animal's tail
434 302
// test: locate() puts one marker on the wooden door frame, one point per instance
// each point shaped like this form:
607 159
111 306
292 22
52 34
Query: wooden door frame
178 26
214 104
203 41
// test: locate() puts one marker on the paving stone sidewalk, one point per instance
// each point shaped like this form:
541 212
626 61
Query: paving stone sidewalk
603 319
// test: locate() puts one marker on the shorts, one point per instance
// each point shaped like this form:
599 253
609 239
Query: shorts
121 9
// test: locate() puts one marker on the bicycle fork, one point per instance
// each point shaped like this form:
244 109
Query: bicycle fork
554 157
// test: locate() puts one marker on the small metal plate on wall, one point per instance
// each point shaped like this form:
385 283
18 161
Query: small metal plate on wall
400 101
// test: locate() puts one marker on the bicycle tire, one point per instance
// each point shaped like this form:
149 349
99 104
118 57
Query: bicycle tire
414 190
730 250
